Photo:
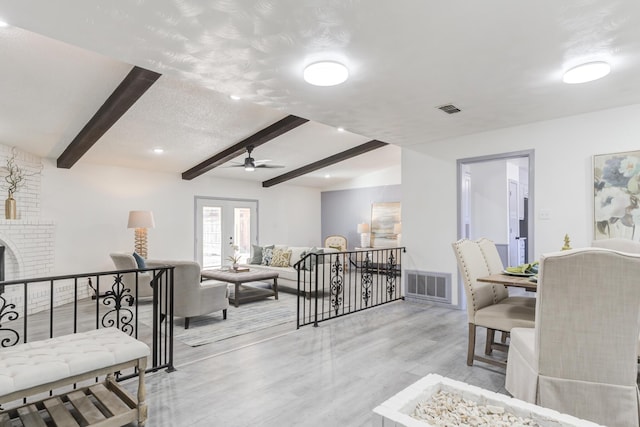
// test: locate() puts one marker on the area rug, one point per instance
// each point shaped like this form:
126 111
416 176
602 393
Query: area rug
248 317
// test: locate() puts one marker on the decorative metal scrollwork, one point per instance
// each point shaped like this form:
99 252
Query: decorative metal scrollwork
337 271
391 275
119 316
367 280
8 312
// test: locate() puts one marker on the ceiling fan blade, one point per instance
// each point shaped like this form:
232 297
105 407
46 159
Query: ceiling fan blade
265 166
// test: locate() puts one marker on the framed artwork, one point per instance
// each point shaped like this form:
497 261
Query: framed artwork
616 181
383 217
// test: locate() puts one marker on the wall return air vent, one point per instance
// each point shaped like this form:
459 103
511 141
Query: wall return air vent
428 286
449 109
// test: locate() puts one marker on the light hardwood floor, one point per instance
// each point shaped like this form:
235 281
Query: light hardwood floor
333 375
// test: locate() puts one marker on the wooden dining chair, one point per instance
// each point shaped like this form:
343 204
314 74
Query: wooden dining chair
483 307
580 359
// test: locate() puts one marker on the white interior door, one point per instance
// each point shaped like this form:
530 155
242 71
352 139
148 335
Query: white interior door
221 226
514 224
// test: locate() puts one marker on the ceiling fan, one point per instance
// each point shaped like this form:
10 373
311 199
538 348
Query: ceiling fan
250 164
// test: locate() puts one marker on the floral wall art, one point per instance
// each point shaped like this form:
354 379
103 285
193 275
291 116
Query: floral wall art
616 180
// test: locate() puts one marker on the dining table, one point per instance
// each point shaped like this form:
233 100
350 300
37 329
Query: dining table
524 282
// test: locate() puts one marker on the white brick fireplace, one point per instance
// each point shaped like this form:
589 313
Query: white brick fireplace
29 241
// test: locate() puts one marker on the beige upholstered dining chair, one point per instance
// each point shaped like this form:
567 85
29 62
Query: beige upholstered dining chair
622 245
336 242
618 244
483 307
191 296
580 358
495 266
126 261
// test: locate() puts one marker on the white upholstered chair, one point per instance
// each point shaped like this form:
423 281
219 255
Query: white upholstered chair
336 242
483 307
622 245
618 244
495 266
126 261
580 358
191 296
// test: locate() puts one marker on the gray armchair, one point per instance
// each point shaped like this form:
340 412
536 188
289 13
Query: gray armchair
191 296
126 261
580 358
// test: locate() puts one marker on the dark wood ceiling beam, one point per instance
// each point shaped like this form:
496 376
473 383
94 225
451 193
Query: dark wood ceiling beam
132 87
336 158
265 135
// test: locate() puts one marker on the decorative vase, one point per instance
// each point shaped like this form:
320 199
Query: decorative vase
235 266
10 207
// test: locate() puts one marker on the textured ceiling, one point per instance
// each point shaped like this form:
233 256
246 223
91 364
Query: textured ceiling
501 62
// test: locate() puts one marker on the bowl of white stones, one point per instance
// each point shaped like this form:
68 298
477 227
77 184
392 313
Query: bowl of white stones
440 401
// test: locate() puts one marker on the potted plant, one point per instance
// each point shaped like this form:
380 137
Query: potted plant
235 258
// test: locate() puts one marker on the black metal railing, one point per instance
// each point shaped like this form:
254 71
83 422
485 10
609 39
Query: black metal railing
335 284
47 307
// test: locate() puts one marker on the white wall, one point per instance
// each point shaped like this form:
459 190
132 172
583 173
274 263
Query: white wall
90 204
563 181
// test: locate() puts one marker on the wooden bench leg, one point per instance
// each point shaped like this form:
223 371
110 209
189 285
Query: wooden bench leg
142 392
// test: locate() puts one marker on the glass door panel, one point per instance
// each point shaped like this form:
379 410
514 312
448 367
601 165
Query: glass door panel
242 232
211 237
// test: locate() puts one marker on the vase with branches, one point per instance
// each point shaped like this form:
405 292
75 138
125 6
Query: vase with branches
14 177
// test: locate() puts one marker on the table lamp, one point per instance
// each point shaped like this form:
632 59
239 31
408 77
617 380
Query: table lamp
141 220
365 237
397 229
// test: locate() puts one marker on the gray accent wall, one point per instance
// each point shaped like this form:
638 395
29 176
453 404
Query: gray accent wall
343 210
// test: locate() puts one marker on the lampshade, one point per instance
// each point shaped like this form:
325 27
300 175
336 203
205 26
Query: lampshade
397 228
141 219
363 228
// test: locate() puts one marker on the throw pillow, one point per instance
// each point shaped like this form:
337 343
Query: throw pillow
139 260
267 255
337 247
257 252
256 255
310 262
281 258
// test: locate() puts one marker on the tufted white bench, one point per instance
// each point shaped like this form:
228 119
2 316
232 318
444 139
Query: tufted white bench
39 366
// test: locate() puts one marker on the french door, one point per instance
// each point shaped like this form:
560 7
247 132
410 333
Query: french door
224 227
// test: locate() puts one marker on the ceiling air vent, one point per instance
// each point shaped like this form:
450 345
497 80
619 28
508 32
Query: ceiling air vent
449 109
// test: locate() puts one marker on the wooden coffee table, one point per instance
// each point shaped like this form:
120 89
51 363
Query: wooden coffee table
247 292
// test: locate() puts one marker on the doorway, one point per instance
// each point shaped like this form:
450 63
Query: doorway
224 227
495 199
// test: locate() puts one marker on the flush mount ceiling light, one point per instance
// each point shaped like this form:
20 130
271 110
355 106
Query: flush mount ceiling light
234 97
326 73
586 72
158 150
